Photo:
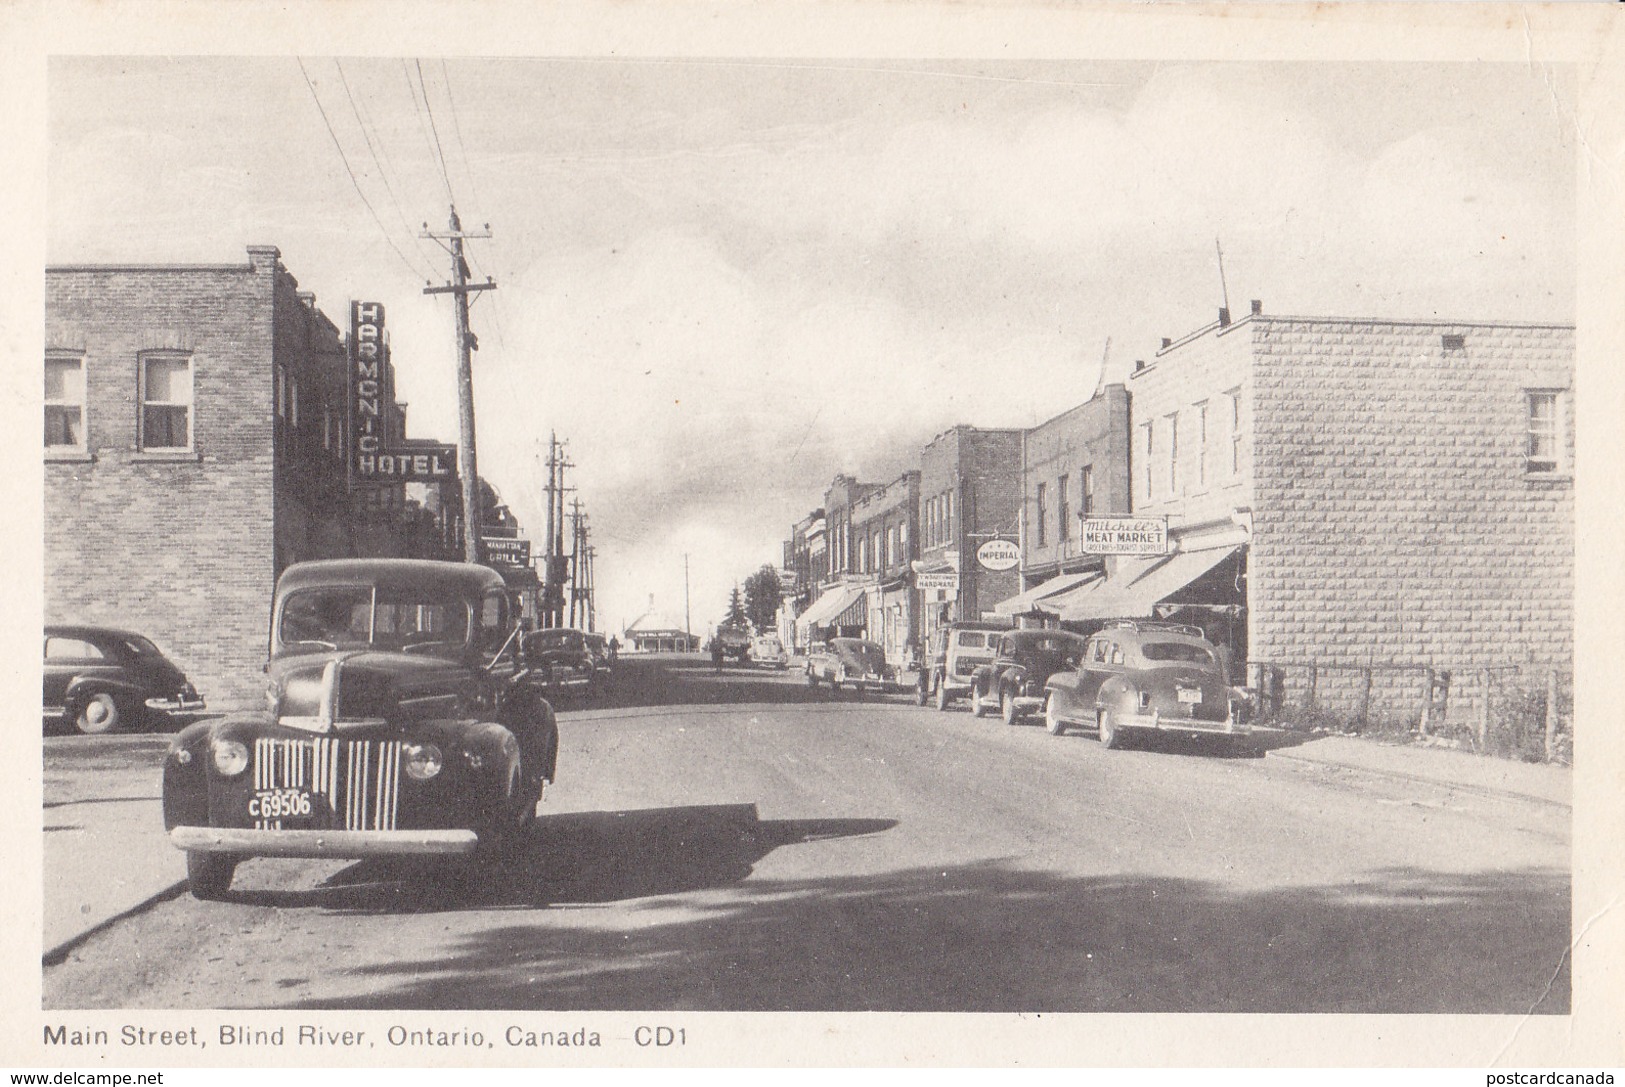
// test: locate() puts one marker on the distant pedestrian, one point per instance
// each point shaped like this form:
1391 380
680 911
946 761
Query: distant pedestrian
716 654
614 648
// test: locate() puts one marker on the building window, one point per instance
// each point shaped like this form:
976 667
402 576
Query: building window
1236 436
1201 445
281 392
1039 516
1173 454
891 545
166 402
64 402
1545 448
948 515
1146 445
1062 533
880 557
1086 490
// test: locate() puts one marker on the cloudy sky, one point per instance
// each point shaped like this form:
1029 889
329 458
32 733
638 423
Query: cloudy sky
725 281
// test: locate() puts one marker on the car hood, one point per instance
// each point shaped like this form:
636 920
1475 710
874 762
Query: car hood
372 680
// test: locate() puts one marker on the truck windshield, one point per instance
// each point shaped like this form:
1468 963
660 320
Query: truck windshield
382 617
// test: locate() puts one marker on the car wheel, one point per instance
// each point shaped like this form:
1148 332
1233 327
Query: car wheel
942 695
1110 736
99 713
1007 708
922 691
209 874
1052 721
976 707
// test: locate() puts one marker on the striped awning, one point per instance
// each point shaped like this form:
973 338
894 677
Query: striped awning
1038 597
1135 588
827 608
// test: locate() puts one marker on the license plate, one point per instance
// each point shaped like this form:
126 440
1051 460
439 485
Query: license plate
1191 696
279 804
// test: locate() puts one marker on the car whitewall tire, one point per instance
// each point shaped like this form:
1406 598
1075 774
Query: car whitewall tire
1052 721
98 714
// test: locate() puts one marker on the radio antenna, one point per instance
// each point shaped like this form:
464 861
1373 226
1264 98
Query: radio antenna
1223 289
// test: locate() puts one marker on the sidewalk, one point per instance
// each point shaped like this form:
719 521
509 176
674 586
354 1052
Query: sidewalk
1437 766
105 853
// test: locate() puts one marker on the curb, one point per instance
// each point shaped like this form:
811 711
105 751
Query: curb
57 955
1421 779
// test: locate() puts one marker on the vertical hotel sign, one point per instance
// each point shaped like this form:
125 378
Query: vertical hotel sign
371 459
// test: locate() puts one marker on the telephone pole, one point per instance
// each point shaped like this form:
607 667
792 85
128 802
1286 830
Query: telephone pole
466 344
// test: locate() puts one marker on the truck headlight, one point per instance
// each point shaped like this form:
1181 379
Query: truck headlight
422 761
230 757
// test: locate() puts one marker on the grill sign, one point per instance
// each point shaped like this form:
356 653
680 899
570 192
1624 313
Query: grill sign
998 555
1125 536
372 460
509 552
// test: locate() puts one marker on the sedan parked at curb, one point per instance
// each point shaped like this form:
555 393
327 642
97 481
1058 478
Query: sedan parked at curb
99 679
1140 677
1014 683
850 663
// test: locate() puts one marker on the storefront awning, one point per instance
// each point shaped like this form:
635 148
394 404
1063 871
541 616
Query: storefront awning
1134 589
855 614
823 611
1030 601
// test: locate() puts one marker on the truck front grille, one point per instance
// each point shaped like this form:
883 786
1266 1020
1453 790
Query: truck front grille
352 784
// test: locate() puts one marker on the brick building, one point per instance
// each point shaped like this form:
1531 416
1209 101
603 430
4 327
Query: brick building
970 493
1355 502
1074 466
885 524
840 608
195 443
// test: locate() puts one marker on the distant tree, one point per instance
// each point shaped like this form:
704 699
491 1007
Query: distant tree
736 616
762 597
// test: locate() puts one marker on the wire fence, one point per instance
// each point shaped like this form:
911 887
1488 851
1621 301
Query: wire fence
1523 711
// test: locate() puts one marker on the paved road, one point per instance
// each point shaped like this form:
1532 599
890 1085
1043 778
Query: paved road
736 841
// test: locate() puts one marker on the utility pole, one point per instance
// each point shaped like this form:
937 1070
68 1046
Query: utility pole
688 636
466 343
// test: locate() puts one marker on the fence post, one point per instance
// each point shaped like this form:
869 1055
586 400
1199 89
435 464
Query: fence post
1484 712
1365 698
1551 713
1427 701
1314 676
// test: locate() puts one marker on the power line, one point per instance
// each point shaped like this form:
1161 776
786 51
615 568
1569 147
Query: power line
439 151
457 127
422 125
342 158
373 150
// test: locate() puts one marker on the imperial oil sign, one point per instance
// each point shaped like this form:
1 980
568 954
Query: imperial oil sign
372 457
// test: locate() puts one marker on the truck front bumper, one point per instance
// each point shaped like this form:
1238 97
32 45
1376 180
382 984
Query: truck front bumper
345 844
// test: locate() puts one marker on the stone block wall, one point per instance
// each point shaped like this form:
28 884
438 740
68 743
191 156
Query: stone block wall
1395 526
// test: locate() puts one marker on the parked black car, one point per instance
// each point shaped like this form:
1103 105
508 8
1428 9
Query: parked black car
99 679
561 659
400 719
1014 683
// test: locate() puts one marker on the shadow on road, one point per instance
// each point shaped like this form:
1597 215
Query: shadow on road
579 858
989 937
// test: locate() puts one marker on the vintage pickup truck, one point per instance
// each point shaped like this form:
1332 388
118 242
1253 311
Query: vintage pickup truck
400 718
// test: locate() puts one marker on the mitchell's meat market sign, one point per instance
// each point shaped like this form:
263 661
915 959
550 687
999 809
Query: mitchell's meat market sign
372 459
1125 536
